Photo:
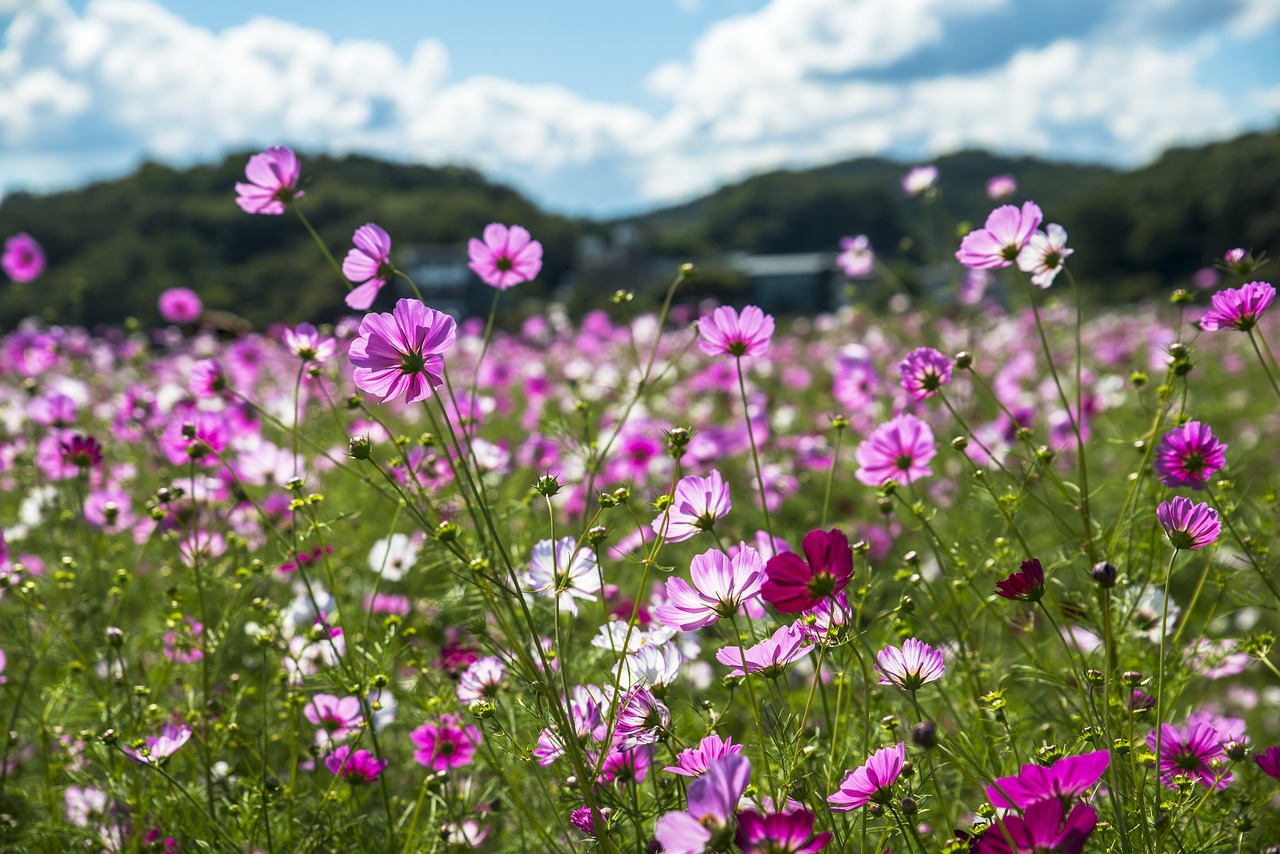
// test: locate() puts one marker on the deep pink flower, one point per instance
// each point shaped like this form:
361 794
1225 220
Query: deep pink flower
198 436
1268 760
1001 187
160 749
897 450
1189 456
1187 525
870 782
694 761
696 505
180 306
83 452
23 259
769 657
795 585
720 586
856 259
583 819
779 833
924 371
1069 777
713 801
402 352
724 332
1040 830
273 182
1190 750
368 265
1238 308
208 379
627 766
1025 585
910 667
356 768
1008 229
446 744
507 257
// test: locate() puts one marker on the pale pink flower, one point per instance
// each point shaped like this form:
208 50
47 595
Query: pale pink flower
998 244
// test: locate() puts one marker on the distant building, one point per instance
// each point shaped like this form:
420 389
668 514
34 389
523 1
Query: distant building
447 283
798 283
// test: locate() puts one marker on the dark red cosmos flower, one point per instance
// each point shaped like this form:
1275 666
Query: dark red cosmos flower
792 585
1025 585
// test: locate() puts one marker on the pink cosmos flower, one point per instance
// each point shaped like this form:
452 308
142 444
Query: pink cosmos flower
337 717
1041 829
769 657
694 761
642 717
180 306
368 265
914 665
1269 761
160 749
482 678
1190 751
1189 456
356 768
83 452
713 802
273 182
507 257
1069 777
924 371
870 782
897 450
796 585
1025 585
1001 187
402 352
208 379
1187 525
720 586
696 505
446 744
919 179
1008 229
23 259
724 332
1238 308
1044 254
779 833
856 258
306 342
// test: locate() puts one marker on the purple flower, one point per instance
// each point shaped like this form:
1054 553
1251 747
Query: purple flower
720 586
356 768
160 749
724 332
1044 254
870 782
694 761
1025 585
402 352
1069 777
1008 229
910 667
507 257
1269 761
180 306
641 719
794 585
779 833
897 450
856 258
1238 308
1192 750
1041 830
446 744
696 505
368 265
273 182
924 371
1187 525
771 655
1189 456
23 259
713 800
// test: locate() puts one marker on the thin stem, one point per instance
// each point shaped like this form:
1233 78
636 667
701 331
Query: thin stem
755 456
337 268
1262 361
1160 708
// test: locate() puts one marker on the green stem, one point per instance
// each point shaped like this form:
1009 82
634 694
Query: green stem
755 456
337 268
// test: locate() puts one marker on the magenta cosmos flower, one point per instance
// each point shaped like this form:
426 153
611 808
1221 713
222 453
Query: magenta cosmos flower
368 265
1238 308
446 744
507 257
1189 456
924 371
872 781
1190 750
180 306
1025 585
402 352
1187 525
713 801
897 450
914 665
856 259
1044 255
1040 830
779 833
23 259
724 332
696 505
769 657
1268 760
1008 229
273 182
356 768
158 750
306 342
694 761
793 585
1069 777
720 585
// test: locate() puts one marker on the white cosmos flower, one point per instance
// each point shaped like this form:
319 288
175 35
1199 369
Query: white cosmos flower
564 572
391 557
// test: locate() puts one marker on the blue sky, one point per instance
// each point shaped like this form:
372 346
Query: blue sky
605 107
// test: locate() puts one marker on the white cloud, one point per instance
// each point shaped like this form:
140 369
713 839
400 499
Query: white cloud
1254 17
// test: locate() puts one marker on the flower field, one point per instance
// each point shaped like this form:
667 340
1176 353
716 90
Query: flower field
994 576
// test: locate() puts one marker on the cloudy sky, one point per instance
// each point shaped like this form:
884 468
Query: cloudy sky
605 106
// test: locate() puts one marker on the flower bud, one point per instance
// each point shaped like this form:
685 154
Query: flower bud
1104 574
